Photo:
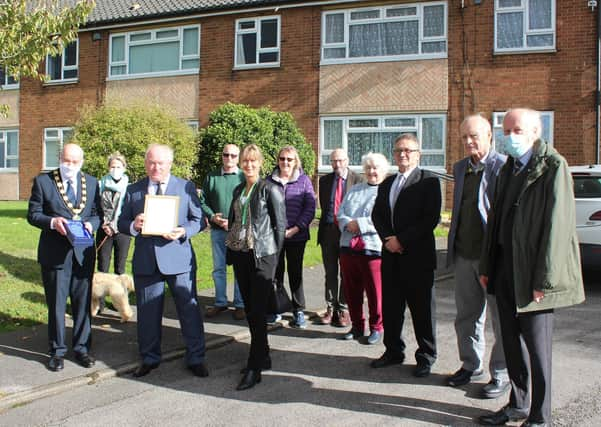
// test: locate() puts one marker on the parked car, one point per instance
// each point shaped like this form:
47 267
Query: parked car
587 190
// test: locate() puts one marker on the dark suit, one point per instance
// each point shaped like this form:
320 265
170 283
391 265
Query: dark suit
66 271
156 261
328 236
407 278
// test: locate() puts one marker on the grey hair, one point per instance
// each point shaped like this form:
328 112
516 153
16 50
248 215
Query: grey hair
163 147
379 160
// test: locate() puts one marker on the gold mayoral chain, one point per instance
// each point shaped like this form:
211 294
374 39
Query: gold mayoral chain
61 189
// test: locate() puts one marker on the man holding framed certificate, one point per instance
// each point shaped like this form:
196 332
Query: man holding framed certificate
162 212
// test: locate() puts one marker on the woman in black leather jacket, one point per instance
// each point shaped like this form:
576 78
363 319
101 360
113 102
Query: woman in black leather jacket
256 235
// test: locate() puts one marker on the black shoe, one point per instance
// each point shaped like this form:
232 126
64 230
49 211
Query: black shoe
353 334
199 370
266 366
56 363
503 415
463 377
85 360
386 360
421 370
250 378
495 388
144 369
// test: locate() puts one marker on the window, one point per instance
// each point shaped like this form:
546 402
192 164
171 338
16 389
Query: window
524 25
9 149
401 32
63 68
165 51
7 81
258 42
359 135
54 139
546 118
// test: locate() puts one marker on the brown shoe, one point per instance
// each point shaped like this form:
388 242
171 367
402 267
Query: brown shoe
214 311
239 314
326 319
343 319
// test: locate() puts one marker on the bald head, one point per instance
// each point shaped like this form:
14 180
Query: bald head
476 135
158 161
72 154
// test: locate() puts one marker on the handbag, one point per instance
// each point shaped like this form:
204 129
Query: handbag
279 301
357 244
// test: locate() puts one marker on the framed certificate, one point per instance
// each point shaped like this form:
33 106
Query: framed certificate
160 214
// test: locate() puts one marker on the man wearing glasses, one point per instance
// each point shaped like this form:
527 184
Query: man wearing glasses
215 200
406 211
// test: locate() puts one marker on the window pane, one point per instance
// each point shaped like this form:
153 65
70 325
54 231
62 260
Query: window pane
539 14
269 33
67 134
510 3
71 54
432 133
167 34
432 160
246 25
118 49
434 47
510 30
363 123
12 163
2 157
547 127
391 38
399 122
191 41
334 52
154 58
332 135
118 70
360 144
325 159
139 37
190 64
433 21
51 133
247 49
52 151
366 14
268 57
335 28
12 148
70 74
541 40
401 11
55 67
10 80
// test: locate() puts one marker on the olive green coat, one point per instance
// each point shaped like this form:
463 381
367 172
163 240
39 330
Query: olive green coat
546 256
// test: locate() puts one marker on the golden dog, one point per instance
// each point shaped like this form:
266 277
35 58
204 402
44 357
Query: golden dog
118 287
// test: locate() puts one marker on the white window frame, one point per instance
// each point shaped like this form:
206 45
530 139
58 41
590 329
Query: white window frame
153 41
523 8
257 30
417 128
63 66
383 18
497 126
4 138
4 85
61 140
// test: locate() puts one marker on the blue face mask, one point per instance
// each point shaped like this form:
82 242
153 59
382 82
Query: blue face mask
516 145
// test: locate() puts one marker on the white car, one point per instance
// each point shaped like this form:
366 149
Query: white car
587 190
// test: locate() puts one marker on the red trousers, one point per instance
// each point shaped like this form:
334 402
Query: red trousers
361 273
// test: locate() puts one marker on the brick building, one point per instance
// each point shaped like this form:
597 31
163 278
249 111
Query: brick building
353 74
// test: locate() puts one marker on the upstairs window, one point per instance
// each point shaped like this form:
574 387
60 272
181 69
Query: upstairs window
400 32
524 25
7 81
258 42
63 67
54 139
165 51
9 149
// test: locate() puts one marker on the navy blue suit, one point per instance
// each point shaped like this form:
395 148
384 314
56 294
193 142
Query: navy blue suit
156 261
66 272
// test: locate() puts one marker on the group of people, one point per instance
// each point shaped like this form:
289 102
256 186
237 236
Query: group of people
512 241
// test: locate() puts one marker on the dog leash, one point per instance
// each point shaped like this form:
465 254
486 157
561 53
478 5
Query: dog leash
101 243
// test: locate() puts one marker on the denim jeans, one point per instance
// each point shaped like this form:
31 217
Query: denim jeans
219 271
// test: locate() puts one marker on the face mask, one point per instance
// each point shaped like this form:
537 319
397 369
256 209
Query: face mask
116 173
516 145
69 171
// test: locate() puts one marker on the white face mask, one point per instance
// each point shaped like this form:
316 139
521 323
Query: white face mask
116 173
69 171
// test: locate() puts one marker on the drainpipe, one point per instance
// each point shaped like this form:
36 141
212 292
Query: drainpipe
598 93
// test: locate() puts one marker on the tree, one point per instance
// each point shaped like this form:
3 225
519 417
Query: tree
240 125
130 130
30 30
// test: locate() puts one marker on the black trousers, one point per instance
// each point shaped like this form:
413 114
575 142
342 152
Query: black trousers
404 285
255 279
330 254
120 242
291 257
527 342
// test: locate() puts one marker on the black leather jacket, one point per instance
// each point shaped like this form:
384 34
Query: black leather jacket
268 218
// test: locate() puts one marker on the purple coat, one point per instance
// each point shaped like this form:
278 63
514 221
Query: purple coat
300 202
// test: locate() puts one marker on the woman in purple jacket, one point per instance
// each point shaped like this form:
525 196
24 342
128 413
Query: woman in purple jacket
300 211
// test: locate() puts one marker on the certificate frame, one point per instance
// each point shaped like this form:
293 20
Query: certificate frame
160 215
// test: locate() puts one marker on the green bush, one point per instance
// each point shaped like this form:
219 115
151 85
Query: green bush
241 125
130 130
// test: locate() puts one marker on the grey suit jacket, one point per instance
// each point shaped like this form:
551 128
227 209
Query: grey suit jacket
488 185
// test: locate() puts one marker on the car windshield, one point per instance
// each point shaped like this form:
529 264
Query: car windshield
587 187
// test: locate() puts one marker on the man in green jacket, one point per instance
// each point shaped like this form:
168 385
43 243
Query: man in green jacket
531 262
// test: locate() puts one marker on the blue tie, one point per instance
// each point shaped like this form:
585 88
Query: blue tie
71 193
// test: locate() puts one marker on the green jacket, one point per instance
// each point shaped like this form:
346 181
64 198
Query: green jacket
546 256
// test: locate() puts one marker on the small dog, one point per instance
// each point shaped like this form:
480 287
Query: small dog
118 287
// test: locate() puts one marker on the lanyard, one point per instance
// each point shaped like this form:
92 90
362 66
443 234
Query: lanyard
246 202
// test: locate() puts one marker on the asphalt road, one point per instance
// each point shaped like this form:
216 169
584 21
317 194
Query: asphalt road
317 379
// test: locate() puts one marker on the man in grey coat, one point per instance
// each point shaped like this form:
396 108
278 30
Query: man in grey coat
475 183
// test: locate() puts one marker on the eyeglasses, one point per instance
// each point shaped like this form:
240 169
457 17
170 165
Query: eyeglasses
287 159
338 160
407 151
230 155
